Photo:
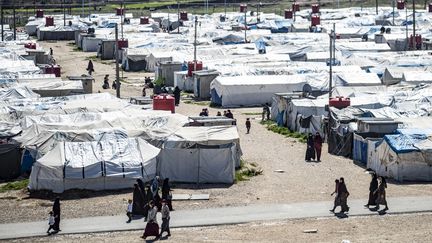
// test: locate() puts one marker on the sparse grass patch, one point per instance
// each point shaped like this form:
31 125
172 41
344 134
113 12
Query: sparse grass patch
14 186
77 49
252 113
272 126
201 103
246 170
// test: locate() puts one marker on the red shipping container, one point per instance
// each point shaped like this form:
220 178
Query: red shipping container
400 5
120 11
288 14
191 67
183 16
243 8
123 43
430 8
144 20
339 102
164 102
315 8
295 7
39 13
315 20
49 21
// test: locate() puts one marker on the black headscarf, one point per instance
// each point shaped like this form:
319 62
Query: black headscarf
141 185
165 188
310 140
374 183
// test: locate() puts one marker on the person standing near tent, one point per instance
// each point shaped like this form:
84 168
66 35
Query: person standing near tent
144 90
90 67
137 199
152 227
310 152
165 211
336 200
265 112
57 214
248 125
51 52
343 195
381 193
176 93
318 145
166 193
106 82
373 186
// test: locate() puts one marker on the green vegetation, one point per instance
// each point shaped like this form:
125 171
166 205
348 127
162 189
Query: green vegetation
159 82
252 113
272 126
13 186
246 171
76 48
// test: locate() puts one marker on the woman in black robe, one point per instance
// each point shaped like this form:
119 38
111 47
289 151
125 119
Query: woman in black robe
343 195
56 211
310 151
372 188
148 197
138 200
166 193
177 93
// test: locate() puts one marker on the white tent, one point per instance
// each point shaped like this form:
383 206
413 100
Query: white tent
201 155
357 79
98 165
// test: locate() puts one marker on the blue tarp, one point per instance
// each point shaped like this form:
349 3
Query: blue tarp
360 150
404 143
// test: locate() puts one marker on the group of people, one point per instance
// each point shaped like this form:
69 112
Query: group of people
377 194
106 85
314 146
147 202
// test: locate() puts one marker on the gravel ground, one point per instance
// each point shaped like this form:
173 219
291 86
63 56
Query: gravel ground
301 181
355 229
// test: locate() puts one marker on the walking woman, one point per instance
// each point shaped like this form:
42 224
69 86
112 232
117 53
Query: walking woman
372 188
381 193
343 195
318 141
336 200
166 193
137 199
56 211
152 227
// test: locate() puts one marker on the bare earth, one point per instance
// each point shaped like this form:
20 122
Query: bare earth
389 228
301 181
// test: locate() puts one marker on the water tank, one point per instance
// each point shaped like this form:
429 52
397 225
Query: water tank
400 5
243 8
295 7
184 16
144 20
120 11
164 102
39 13
123 43
288 14
315 20
315 8
49 21
191 67
339 102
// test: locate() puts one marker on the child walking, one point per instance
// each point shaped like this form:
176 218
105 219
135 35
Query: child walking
129 211
50 222
248 125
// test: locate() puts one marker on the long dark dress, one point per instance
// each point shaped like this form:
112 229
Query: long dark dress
372 188
176 95
310 151
343 197
166 193
57 213
317 146
381 195
138 201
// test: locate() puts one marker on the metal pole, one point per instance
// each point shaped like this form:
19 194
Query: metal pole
414 24
82 8
225 7
168 20
393 3
406 28
245 25
121 18
117 62
332 44
2 33
89 10
178 17
64 13
14 22
195 43
376 6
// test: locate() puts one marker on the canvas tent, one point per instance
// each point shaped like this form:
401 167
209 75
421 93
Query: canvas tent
405 156
201 155
98 165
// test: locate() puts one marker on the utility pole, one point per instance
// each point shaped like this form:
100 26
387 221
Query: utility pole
414 28
225 7
64 13
82 7
14 22
2 33
195 43
332 57
117 62
122 17
393 5
376 6
178 16
406 27
245 23
89 10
